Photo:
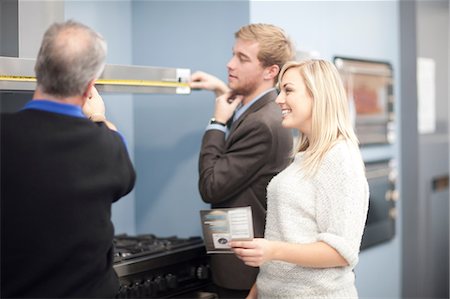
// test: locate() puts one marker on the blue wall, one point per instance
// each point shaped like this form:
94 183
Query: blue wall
112 19
163 131
198 35
360 29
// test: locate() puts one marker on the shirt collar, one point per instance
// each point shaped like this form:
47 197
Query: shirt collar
242 108
51 106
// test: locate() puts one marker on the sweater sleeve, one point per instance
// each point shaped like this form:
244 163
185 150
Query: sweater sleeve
121 168
342 202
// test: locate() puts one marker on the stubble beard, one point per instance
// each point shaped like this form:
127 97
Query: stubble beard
243 89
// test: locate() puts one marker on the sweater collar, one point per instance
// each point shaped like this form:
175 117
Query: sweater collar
55 107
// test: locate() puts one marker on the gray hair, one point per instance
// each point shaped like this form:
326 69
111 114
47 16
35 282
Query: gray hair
71 55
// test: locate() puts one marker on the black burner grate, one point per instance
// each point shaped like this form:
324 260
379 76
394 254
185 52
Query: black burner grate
130 247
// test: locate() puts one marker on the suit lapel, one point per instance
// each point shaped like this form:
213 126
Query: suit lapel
267 98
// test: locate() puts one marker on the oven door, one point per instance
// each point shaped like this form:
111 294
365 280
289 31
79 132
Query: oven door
380 224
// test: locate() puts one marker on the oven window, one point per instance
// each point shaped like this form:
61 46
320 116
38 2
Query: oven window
370 94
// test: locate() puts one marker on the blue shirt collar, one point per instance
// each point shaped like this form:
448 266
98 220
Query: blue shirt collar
51 106
241 109
61 108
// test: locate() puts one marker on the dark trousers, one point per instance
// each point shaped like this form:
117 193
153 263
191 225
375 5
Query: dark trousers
230 293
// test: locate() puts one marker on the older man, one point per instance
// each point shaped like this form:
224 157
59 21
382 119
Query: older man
62 167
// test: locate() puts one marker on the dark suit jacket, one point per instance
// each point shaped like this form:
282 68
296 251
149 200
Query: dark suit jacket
235 173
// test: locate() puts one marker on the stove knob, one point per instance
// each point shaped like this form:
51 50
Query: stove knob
172 281
141 290
151 288
134 290
202 272
147 285
161 283
123 291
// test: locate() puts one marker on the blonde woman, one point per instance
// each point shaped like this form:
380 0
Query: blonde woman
244 145
317 206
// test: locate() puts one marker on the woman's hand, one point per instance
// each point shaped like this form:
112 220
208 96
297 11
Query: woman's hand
253 253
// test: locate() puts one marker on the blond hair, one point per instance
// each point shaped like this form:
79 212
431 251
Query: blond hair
275 47
330 111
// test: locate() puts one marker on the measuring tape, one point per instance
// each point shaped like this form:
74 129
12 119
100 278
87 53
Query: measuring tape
131 82
18 78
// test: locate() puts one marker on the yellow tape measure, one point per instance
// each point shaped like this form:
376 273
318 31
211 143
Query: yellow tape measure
18 78
126 82
141 83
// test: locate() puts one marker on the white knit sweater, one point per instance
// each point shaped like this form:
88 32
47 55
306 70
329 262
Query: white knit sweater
330 207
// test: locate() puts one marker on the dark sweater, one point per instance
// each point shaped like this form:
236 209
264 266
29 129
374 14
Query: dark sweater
59 176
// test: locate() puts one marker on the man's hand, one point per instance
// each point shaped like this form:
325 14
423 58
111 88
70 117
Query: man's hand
94 107
226 104
202 80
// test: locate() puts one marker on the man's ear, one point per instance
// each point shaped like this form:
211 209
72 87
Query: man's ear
271 72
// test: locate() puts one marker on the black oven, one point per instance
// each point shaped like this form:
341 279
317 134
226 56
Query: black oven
380 224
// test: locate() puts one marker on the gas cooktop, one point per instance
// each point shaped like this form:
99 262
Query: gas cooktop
160 267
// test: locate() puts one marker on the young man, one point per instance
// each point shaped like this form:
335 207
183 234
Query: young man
244 145
62 167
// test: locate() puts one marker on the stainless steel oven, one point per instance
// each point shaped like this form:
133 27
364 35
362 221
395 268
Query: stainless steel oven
369 86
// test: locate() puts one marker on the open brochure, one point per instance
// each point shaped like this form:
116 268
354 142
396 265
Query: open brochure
220 226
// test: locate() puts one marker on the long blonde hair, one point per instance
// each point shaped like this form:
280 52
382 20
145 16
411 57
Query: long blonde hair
330 111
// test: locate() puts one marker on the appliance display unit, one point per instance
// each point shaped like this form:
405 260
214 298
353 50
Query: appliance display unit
369 87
